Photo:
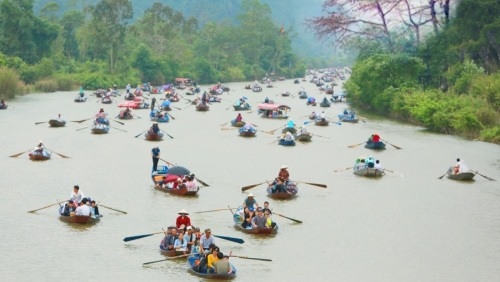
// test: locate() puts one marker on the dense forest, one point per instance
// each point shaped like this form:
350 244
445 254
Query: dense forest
431 63
100 45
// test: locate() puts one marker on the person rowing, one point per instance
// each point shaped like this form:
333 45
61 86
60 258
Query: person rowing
77 195
154 129
283 174
39 148
82 93
183 220
239 118
460 167
127 112
248 127
290 124
250 202
288 137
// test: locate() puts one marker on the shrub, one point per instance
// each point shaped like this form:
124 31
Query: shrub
65 83
11 84
46 85
491 134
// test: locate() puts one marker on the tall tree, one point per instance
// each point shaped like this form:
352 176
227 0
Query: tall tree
109 24
70 22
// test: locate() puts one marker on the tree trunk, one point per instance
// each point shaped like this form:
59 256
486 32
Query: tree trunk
432 5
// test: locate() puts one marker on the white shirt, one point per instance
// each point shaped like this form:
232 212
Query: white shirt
288 137
303 130
77 196
83 210
378 166
323 115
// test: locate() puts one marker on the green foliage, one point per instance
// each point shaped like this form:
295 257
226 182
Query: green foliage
491 134
65 82
10 84
46 85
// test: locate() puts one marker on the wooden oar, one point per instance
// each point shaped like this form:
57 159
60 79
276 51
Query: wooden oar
188 106
80 121
265 131
37 123
245 257
119 122
171 137
82 128
252 123
490 179
46 207
112 209
170 116
131 238
274 141
225 123
232 239
336 122
225 128
292 219
277 128
339 170
229 107
177 108
356 145
61 155
202 183
169 258
212 210
314 184
140 134
393 172
251 186
17 155
392 144
119 129
443 175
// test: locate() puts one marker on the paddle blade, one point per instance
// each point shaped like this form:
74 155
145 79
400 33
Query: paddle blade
62 156
292 219
235 240
251 186
315 184
354 146
132 238
17 155
202 183
36 123
119 122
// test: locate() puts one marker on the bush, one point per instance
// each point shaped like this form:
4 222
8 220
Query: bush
46 85
491 134
11 84
65 83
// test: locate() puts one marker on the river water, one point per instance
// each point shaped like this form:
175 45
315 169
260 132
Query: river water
409 227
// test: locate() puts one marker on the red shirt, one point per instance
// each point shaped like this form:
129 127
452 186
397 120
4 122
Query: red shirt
283 174
238 118
180 221
376 138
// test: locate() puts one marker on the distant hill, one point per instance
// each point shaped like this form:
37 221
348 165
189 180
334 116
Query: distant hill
286 12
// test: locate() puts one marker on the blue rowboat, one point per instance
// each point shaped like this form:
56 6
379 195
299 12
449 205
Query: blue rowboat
282 142
192 263
247 133
375 145
348 118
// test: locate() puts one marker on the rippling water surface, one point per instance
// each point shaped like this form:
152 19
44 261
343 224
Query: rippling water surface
399 228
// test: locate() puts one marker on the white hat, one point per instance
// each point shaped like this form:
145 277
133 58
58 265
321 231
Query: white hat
41 141
250 195
283 166
189 228
183 211
288 133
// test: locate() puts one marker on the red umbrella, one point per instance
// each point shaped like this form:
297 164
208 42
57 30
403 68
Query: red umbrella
171 178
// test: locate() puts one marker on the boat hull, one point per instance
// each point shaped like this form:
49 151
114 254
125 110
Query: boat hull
292 188
344 118
202 108
181 192
303 137
80 219
95 130
369 172
461 176
324 105
375 145
78 100
237 123
191 261
57 123
247 133
282 142
320 122
39 157
153 136
239 108
289 129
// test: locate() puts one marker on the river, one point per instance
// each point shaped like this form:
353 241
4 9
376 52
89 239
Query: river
410 227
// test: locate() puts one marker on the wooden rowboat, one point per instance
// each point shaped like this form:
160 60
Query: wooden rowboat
289 129
79 99
150 136
237 123
218 276
106 101
37 157
312 116
303 137
181 192
102 129
80 219
302 95
173 253
282 142
202 108
247 133
291 187
368 172
324 104
240 108
320 122
285 94
345 118
311 104
122 115
238 219
4 107
461 176
375 145
57 123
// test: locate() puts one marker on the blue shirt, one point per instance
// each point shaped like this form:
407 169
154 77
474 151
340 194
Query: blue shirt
182 244
155 151
249 203
291 124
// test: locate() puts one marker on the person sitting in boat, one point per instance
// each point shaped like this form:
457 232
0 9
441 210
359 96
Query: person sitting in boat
211 259
360 164
290 124
303 130
284 91
266 208
180 243
183 219
81 92
83 209
222 266
239 118
345 112
266 100
370 139
101 114
325 101
247 218
68 208
311 100
138 89
237 103
191 183
169 240
39 148
128 87
58 118
352 114
370 162
250 202
376 138
94 209
204 98
2 103
283 174
248 127
77 195
259 221
269 220
323 116
279 187
155 129
190 238
378 165
288 136
127 112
